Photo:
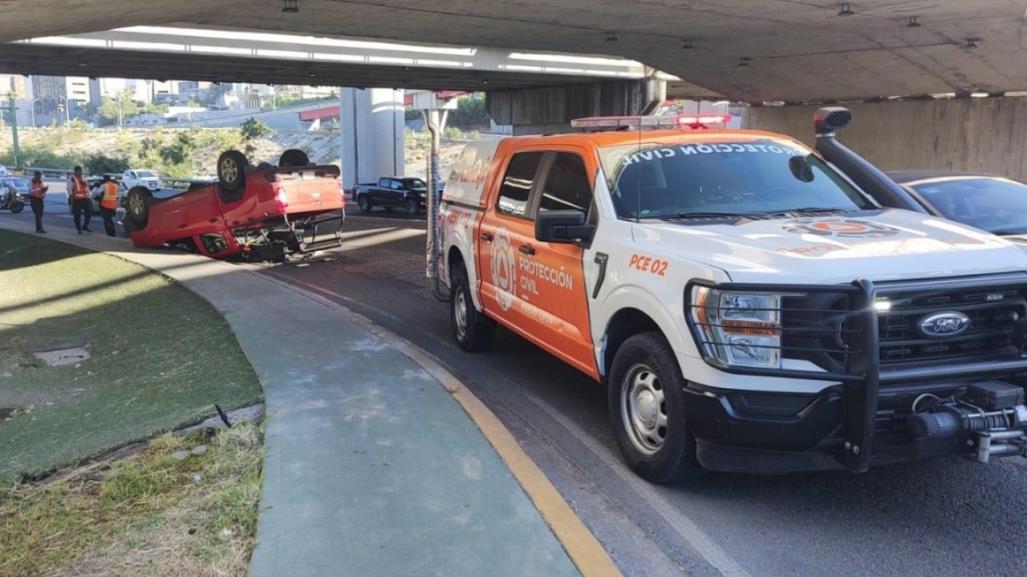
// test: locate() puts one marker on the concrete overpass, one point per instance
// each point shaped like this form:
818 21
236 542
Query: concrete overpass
258 57
750 50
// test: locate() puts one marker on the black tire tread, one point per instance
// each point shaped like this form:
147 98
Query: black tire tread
675 462
481 329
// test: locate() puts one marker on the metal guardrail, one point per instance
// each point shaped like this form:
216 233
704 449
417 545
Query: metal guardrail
47 172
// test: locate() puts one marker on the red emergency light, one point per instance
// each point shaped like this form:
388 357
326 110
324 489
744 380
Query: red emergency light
683 121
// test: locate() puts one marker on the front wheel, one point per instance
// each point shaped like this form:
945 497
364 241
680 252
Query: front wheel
364 203
471 328
646 403
17 206
413 207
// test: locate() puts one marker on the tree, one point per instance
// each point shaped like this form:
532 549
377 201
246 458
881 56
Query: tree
180 150
252 130
100 164
470 113
119 108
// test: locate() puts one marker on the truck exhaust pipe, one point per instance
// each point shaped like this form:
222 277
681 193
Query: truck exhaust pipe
866 176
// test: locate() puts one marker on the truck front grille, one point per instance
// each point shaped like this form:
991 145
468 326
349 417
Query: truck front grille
996 318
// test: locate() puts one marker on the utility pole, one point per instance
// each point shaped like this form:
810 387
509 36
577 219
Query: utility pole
14 127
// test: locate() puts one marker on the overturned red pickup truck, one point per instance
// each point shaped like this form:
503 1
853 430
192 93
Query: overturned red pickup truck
262 212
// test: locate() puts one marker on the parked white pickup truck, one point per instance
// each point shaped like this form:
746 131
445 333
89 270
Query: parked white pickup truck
748 303
140 177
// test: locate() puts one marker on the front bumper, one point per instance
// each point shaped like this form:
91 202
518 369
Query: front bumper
860 419
742 431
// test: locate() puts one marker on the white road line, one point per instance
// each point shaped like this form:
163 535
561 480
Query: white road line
684 526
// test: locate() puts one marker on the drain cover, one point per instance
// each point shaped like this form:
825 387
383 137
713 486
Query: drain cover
63 355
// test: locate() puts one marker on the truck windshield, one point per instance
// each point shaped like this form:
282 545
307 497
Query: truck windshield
145 174
759 176
410 183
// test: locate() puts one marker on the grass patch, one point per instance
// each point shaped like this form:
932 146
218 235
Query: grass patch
149 515
159 356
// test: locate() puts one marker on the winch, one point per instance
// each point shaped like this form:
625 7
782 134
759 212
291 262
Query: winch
991 414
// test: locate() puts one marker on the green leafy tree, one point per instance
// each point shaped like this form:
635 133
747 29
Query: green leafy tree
180 150
470 113
102 164
253 130
116 110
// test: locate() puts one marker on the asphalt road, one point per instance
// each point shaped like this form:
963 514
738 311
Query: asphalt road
940 518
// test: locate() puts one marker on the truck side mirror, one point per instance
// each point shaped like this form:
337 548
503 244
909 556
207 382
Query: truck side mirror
563 226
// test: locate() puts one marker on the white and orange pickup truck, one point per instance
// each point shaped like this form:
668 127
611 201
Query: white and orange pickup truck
749 304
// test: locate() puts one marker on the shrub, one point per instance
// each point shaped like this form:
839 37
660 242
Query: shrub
101 164
38 157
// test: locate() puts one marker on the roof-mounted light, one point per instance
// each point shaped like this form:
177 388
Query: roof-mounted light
690 121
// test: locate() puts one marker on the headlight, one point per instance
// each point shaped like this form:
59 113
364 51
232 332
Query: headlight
736 328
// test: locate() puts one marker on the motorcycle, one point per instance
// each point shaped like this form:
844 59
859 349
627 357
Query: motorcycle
11 200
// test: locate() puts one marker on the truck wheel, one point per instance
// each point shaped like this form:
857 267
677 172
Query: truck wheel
413 207
472 329
646 402
364 203
293 157
232 170
137 207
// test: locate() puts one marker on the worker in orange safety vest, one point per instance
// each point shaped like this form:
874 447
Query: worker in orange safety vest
109 204
36 196
78 190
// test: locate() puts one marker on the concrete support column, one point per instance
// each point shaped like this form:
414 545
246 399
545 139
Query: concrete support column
371 121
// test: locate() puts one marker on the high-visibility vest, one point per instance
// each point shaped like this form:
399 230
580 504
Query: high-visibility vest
38 189
79 188
110 195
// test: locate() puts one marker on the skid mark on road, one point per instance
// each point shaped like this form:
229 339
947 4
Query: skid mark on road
684 526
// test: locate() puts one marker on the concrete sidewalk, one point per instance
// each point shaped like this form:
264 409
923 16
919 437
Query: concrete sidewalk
372 467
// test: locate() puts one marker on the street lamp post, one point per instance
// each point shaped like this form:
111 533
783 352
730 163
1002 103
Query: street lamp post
14 127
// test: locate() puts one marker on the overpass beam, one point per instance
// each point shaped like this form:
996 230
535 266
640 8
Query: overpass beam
371 122
550 109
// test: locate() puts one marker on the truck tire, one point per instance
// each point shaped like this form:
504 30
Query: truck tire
232 170
472 330
293 157
137 207
413 207
646 402
364 203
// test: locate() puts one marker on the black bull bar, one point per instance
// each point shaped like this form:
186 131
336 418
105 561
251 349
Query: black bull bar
856 362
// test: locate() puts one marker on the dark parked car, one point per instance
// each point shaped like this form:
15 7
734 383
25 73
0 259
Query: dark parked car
393 191
992 203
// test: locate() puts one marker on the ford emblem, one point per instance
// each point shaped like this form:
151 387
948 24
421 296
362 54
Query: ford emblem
947 324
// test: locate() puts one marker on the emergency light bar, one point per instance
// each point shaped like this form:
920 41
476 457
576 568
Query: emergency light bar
692 121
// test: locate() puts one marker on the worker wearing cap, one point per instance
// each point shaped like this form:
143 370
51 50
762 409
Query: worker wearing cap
80 202
36 196
109 204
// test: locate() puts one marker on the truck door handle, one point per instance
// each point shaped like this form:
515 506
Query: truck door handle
487 236
526 249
